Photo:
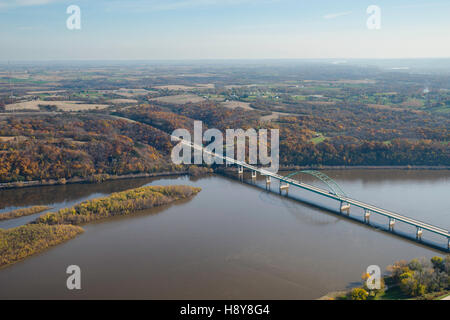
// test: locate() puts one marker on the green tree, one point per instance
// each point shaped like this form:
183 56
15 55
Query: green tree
359 294
372 292
438 263
398 268
411 285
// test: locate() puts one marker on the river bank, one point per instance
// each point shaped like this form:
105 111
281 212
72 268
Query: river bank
392 293
408 167
105 177
92 179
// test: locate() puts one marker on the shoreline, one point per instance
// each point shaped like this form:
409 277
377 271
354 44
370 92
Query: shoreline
105 177
405 167
37 183
334 295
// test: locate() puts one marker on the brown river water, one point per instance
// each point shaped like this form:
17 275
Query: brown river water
231 241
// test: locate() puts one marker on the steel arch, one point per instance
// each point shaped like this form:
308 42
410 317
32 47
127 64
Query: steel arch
331 184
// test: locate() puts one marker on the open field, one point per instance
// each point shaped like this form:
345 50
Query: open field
343 81
384 107
16 139
237 86
274 116
236 104
120 101
416 103
180 99
46 91
127 92
61 105
184 87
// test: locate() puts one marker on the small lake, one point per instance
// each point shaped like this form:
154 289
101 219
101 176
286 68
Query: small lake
231 241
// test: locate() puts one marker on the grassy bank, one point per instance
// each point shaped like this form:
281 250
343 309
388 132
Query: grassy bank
22 212
121 203
21 242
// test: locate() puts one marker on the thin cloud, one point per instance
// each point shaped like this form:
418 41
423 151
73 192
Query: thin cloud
24 3
168 5
336 15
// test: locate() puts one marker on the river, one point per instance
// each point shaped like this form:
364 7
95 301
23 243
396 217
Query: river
231 241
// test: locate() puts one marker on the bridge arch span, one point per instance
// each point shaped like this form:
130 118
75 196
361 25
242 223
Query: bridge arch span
332 185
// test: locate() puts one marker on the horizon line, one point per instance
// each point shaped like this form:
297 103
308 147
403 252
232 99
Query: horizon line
342 60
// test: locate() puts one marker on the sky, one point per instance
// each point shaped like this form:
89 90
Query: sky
223 29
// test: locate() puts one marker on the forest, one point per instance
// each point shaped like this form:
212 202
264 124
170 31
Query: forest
343 139
64 147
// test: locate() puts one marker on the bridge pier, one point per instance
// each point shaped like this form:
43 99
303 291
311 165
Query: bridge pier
419 234
240 169
253 174
391 224
268 182
345 207
366 216
284 186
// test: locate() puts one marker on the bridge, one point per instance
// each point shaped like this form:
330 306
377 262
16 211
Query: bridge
336 193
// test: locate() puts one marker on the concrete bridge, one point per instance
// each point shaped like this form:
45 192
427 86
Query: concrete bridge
336 194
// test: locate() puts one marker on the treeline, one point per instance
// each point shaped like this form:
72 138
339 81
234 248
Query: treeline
21 242
350 151
121 203
22 212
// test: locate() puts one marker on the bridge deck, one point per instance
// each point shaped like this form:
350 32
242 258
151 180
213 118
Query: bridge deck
323 192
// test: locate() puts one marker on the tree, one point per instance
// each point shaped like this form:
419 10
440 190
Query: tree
359 294
372 292
411 284
398 268
438 263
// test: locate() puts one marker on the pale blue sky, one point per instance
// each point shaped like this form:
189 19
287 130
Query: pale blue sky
223 29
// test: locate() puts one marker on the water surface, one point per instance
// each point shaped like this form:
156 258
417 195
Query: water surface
231 241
